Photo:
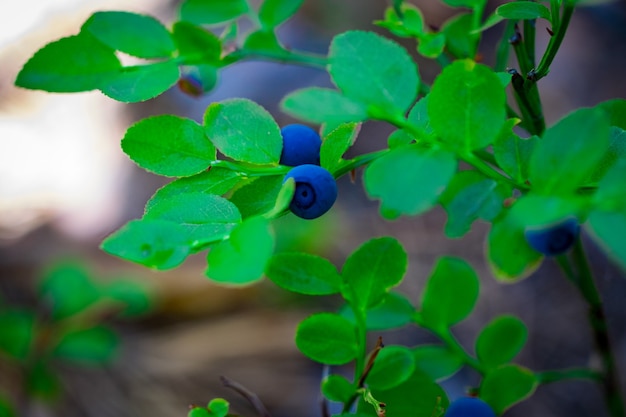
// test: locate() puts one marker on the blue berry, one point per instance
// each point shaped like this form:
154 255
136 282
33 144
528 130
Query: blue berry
554 239
469 407
301 145
316 191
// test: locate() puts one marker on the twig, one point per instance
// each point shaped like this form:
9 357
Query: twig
252 398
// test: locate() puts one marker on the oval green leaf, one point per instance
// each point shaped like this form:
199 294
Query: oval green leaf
241 259
96 345
243 130
373 269
501 340
373 70
506 386
450 293
323 105
69 65
409 180
392 366
169 145
466 105
141 82
303 273
438 362
154 243
327 338
135 34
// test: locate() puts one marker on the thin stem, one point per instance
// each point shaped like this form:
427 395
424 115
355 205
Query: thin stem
359 161
581 276
555 40
249 170
359 368
547 377
286 56
250 396
529 40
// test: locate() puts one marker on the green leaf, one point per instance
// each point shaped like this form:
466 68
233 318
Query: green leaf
135 34
141 82
374 70
69 65
394 311
6 408
68 289
96 345
507 385
418 117
242 258
337 388
501 340
523 10
418 396
218 407
169 145
431 45
465 3
303 273
336 143
199 412
450 293
264 41
392 366
438 362
216 181
608 219
205 217
322 105
18 332
274 12
611 195
508 253
466 105
243 130
327 338
211 12
578 140
370 271
457 32
154 243
608 230
471 196
133 294
42 382
615 152
195 44
410 24
409 180
513 154
257 196
616 110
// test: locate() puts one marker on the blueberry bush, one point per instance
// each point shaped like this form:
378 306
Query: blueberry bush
69 324
474 141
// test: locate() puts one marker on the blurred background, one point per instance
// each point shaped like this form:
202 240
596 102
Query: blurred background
65 184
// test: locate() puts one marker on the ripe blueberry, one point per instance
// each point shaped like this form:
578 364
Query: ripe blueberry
553 239
301 145
469 407
316 191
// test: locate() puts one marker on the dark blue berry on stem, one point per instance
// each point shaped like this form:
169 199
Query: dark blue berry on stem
316 191
554 239
301 145
469 407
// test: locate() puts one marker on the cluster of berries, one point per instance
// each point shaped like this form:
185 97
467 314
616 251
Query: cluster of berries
316 189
